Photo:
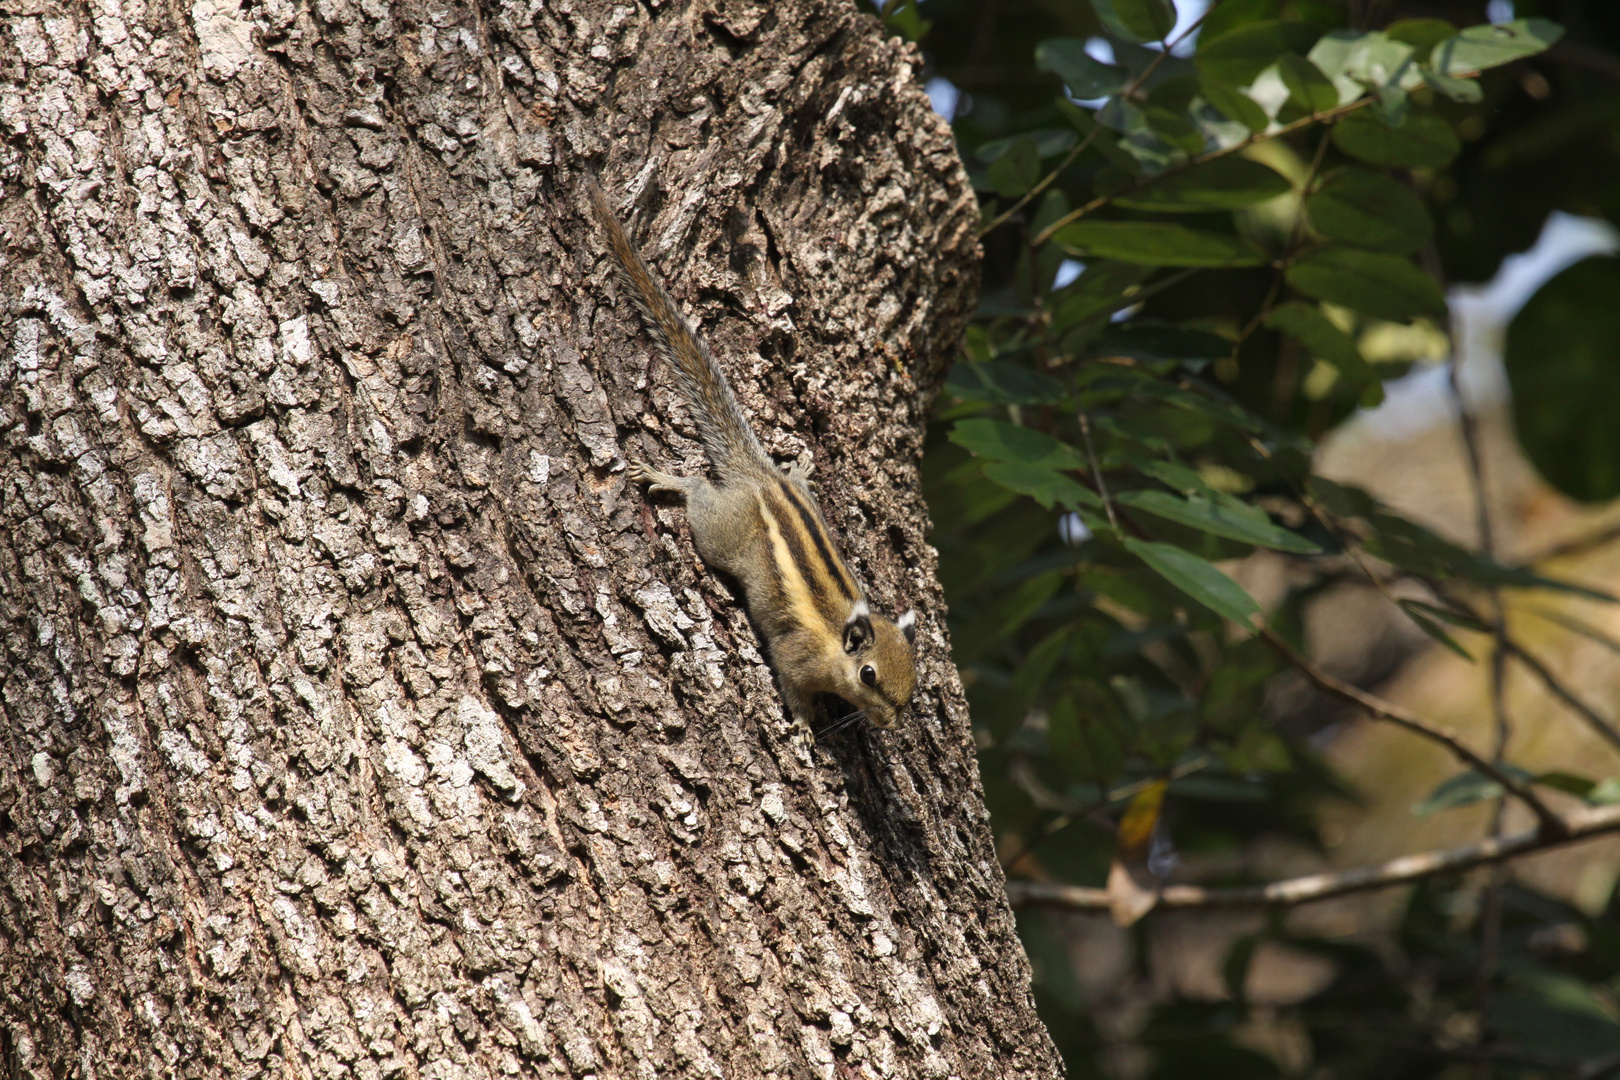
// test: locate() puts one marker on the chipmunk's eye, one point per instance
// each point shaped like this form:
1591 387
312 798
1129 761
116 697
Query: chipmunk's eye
869 675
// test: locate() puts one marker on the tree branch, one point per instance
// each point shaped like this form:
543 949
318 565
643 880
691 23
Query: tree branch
1490 920
1581 825
1560 691
1389 712
1579 545
1096 470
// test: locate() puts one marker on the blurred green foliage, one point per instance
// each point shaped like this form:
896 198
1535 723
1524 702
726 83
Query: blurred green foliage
1185 251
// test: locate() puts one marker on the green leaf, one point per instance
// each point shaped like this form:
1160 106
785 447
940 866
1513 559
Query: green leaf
1226 183
1140 139
1220 515
1236 58
1465 789
1234 104
1258 751
1175 475
1383 286
1136 20
1085 76
1462 619
1368 209
1332 55
1379 61
1198 579
1563 362
1308 88
1327 342
1568 783
1175 129
1004 384
1228 15
1016 171
1605 792
1424 141
1218 789
1413 548
1155 243
1028 598
1149 339
904 18
1001 441
1390 105
1134 432
1480 47
1142 384
1466 91
1414 611
1101 138
1558 1016
1042 484
1049 142
1102 288
1422 34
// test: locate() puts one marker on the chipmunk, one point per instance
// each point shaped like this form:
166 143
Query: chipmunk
765 530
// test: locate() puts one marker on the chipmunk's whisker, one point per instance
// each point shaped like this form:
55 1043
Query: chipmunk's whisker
846 721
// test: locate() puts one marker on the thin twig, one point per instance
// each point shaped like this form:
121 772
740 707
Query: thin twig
1596 722
1096 470
1582 825
1350 544
1580 545
1391 713
1491 908
1468 427
1490 951
1575 626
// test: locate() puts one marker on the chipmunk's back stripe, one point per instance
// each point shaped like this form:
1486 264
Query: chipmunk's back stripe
834 566
803 597
809 568
826 581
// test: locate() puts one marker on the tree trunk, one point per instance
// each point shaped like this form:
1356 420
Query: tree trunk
360 717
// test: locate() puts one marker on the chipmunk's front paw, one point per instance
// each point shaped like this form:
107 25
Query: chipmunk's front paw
656 481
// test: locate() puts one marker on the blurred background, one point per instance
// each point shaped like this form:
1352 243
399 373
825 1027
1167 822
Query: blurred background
1481 443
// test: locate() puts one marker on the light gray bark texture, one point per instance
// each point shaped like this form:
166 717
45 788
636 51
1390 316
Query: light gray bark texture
359 717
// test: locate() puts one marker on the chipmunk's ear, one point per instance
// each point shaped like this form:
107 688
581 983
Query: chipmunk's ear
908 626
858 627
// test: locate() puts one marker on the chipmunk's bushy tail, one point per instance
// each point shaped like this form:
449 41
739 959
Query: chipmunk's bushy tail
727 436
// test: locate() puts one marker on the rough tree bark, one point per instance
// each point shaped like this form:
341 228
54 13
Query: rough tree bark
359 717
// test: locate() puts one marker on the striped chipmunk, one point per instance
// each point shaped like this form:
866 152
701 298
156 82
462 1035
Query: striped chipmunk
764 529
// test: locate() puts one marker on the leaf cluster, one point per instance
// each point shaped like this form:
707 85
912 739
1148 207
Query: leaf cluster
1197 253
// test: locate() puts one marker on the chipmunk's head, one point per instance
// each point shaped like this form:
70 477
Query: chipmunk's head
877 673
